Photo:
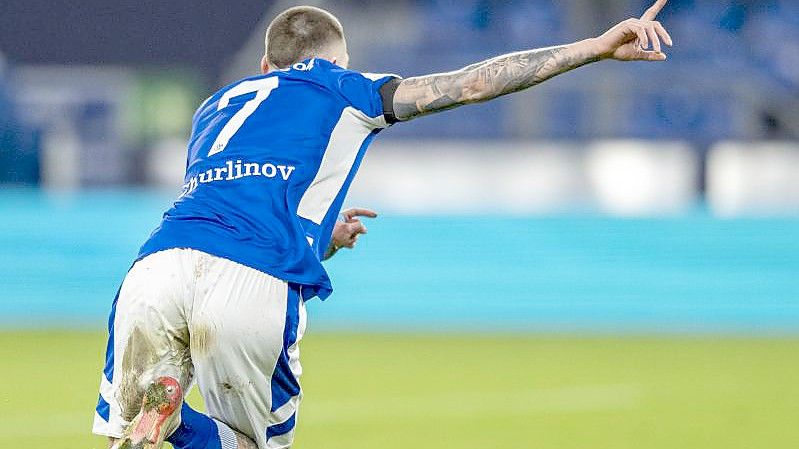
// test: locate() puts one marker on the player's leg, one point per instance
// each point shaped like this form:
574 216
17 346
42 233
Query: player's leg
200 431
148 342
158 416
245 336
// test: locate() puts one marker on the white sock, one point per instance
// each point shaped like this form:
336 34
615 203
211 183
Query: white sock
227 436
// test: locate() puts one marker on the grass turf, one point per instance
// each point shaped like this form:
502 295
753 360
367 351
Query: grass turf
463 391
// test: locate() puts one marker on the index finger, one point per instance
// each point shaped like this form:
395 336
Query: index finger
358 212
654 10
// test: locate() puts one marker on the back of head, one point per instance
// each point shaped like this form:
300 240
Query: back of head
300 33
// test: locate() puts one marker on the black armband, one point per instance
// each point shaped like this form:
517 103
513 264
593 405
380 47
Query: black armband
387 91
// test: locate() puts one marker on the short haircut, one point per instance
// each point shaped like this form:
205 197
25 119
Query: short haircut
300 33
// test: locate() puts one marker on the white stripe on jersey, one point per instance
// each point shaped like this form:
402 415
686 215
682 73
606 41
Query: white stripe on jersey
377 76
345 141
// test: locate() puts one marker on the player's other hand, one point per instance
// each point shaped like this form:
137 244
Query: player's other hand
345 233
636 39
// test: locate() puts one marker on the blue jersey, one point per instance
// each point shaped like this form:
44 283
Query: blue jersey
270 161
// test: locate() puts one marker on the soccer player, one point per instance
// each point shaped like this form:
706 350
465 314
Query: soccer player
216 295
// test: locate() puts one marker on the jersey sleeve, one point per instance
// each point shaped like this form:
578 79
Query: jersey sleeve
363 92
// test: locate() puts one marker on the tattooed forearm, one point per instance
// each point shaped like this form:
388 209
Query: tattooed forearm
488 79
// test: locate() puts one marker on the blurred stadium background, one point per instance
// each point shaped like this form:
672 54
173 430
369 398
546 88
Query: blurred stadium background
610 260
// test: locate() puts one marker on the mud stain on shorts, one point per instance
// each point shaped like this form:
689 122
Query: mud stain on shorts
139 355
143 361
236 386
202 337
201 267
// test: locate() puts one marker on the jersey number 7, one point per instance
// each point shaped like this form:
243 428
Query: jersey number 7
263 87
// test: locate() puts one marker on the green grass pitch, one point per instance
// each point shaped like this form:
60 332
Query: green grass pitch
464 391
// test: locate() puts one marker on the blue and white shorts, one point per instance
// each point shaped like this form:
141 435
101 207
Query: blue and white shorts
233 330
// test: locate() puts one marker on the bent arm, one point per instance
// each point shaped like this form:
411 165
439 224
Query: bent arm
346 232
489 79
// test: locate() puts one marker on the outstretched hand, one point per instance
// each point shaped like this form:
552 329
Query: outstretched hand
636 39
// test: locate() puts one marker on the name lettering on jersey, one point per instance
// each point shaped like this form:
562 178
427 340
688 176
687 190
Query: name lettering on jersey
232 171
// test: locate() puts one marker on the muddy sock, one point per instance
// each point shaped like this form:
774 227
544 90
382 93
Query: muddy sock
200 431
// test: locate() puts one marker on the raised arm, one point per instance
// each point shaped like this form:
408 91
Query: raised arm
631 40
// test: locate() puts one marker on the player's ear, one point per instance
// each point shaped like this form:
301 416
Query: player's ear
264 65
342 61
